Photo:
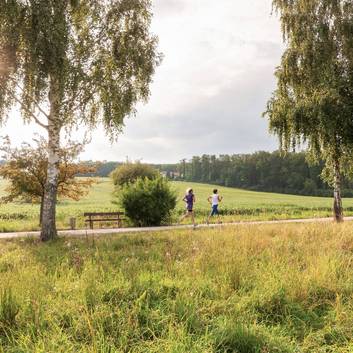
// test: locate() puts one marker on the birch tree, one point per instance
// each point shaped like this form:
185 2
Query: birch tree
70 63
313 102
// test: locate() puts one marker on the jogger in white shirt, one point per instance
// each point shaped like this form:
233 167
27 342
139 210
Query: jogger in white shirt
214 200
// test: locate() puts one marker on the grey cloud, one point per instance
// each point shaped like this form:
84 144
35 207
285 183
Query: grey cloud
231 54
169 7
229 122
268 49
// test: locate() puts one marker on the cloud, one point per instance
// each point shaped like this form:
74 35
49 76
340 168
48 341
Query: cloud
211 89
228 122
168 7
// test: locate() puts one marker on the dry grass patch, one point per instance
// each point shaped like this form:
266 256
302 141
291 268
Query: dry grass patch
273 288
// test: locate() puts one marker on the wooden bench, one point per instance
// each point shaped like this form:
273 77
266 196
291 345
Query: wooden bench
104 217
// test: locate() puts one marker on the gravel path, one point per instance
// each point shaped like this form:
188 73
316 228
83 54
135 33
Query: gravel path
98 232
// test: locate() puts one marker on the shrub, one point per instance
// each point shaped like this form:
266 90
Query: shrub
130 172
148 202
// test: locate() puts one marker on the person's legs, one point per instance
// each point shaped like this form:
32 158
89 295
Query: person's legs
213 212
219 217
189 213
209 216
184 216
193 218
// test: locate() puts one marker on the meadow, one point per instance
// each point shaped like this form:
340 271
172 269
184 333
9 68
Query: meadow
241 289
237 205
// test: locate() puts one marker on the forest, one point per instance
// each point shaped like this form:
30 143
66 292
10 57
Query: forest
291 173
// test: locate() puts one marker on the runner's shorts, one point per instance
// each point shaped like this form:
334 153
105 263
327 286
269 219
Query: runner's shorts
214 210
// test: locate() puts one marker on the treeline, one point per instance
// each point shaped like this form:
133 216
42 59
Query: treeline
104 168
261 171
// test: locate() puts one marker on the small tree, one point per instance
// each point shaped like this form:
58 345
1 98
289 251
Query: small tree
130 172
313 100
26 171
148 202
69 63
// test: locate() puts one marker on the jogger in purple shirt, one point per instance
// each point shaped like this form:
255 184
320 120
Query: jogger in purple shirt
189 199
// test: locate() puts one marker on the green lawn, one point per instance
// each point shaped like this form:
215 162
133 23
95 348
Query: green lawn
244 289
237 205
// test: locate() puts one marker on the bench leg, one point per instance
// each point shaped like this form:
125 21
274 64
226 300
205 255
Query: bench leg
91 224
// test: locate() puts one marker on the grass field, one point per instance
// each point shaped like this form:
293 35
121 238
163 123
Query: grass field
244 289
237 205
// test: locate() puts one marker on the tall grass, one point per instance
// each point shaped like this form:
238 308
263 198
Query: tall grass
243 289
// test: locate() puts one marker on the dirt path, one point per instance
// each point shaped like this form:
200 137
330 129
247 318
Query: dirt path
98 232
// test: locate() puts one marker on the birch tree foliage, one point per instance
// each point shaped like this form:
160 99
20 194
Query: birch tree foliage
99 54
313 102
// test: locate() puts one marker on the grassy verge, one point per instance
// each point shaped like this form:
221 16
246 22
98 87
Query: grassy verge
243 289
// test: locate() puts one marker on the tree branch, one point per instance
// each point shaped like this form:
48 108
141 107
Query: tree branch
29 111
34 101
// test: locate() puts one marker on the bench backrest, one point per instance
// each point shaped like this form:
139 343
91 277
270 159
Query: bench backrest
97 214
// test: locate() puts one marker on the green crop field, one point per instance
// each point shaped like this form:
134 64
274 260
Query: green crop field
236 198
237 205
243 289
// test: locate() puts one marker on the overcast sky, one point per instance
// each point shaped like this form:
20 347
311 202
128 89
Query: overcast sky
210 91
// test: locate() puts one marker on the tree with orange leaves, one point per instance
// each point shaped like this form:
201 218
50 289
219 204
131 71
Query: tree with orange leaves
25 169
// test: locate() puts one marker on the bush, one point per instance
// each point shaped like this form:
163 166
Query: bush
148 202
130 172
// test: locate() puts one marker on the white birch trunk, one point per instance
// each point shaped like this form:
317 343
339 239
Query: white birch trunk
337 203
48 221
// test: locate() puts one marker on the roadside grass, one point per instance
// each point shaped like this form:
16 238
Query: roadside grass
237 205
243 289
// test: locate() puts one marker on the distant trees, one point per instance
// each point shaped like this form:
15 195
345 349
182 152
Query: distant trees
313 100
70 63
105 168
130 172
25 169
262 171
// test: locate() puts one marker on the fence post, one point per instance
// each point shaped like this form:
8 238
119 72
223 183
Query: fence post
72 223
